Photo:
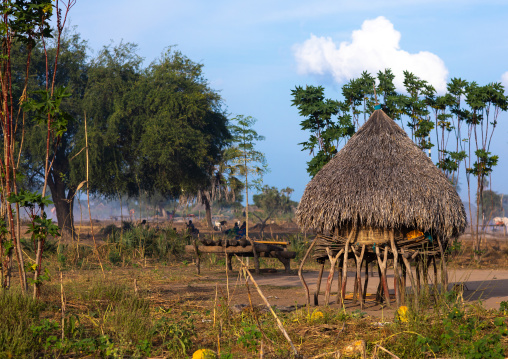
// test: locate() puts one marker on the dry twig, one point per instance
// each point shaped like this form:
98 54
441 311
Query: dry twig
279 323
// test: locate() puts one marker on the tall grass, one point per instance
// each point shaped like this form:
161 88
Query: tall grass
19 313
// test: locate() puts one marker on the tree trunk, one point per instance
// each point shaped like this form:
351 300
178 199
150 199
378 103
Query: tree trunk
63 204
208 210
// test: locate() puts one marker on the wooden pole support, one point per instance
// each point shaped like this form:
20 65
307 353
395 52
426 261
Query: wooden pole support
396 277
382 266
358 279
300 269
318 287
333 262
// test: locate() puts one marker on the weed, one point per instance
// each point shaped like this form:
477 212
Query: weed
176 336
250 337
115 257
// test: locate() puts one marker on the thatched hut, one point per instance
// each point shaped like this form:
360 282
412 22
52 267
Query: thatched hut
381 190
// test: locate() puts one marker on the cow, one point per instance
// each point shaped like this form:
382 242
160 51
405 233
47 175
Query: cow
219 225
501 221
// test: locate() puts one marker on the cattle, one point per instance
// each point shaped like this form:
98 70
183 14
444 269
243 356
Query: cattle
219 225
501 221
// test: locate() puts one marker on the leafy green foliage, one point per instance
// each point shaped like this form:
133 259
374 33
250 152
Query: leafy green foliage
272 201
246 161
47 107
250 337
325 132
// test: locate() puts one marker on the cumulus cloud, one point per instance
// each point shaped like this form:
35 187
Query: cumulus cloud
372 48
504 81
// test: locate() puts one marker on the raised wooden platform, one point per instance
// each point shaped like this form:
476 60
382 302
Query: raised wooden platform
263 250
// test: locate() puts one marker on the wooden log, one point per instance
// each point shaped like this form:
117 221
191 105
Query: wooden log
238 249
285 259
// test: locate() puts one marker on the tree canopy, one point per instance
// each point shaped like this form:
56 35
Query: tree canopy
155 129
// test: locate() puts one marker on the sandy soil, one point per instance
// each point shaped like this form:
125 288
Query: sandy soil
284 290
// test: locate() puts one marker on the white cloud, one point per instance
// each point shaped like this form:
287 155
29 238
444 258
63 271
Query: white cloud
504 81
372 48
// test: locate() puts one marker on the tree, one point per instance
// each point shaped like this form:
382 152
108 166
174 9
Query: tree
157 130
178 128
72 75
24 24
247 162
486 102
492 205
467 111
272 201
326 134
224 186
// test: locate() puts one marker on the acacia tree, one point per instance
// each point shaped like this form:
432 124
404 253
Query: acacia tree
247 162
177 128
224 186
272 201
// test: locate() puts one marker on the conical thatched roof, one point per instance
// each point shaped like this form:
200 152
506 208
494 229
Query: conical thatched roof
381 179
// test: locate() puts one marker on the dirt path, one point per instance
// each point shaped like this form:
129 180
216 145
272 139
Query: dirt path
490 286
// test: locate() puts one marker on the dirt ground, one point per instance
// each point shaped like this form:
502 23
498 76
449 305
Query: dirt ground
285 291
487 282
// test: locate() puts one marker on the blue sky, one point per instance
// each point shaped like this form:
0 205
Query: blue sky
255 52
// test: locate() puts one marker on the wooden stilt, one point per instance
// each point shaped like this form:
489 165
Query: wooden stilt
434 266
366 282
358 284
355 286
425 272
198 258
344 266
382 266
333 262
418 279
318 288
404 284
300 274
396 276
379 290
444 270
339 282
409 273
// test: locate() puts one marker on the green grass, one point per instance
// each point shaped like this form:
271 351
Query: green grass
106 317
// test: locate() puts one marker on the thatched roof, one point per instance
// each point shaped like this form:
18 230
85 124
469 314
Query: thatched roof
382 179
